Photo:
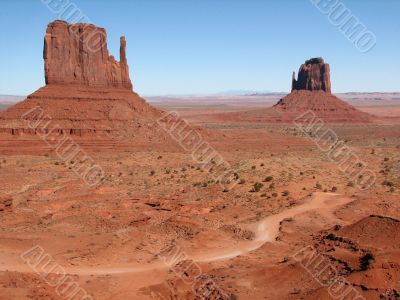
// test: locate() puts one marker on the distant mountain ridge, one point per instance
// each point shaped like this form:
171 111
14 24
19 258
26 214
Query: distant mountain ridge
11 98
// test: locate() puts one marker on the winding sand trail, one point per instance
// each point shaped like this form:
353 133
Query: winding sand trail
265 231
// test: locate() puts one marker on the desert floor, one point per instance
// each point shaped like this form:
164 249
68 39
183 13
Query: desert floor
114 240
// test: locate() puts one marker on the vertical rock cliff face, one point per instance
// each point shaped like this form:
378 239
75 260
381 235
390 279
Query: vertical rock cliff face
78 54
314 75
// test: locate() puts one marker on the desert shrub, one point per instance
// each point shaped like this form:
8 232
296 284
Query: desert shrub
253 167
337 227
388 183
152 173
233 297
318 186
272 186
334 189
285 193
257 187
350 184
274 194
262 165
204 184
242 181
331 237
225 191
268 179
366 261
386 159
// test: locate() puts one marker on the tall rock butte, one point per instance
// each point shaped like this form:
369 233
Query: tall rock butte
314 75
88 95
78 54
311 92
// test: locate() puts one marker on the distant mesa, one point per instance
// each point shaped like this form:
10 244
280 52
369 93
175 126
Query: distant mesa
314 75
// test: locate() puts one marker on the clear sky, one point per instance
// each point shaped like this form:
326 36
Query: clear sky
208 46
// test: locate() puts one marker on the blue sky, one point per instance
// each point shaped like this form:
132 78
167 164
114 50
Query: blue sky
208 46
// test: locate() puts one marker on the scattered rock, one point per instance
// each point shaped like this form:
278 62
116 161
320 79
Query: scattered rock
5 203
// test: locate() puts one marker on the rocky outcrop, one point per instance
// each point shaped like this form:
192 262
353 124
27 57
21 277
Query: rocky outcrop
314 75
77 54
5 203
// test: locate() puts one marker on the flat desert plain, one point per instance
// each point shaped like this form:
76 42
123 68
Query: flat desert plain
161 226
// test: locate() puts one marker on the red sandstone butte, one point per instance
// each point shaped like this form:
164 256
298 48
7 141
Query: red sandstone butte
78 54
314 75
311 92
88 95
